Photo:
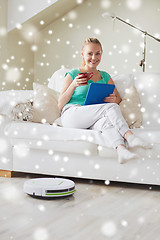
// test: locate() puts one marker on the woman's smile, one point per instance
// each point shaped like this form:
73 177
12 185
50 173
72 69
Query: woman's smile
94 62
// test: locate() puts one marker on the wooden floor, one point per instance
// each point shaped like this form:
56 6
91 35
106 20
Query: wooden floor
95 212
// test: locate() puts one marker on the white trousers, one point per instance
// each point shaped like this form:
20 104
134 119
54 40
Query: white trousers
106 118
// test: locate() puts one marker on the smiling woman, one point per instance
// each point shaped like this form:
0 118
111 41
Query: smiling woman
107 117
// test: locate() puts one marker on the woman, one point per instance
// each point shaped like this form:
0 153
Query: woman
106 117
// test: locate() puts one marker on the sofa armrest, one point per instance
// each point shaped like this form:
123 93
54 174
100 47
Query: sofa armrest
6 147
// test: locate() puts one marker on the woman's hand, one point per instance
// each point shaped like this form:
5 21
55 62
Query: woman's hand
112 98
115 97
80 81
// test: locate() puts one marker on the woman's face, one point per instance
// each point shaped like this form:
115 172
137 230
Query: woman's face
92 54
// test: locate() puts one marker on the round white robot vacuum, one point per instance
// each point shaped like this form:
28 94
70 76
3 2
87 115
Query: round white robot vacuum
49 187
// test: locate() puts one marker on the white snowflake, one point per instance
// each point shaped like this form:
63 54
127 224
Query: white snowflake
21 150
109 229
41 234
41 207
3 31
124 223
87 152
72 15
105 4
13 74
11 193
96 166
107 182
133 4
79 174
21 8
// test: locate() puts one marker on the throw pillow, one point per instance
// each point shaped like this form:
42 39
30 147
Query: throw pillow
130 108
23 111
45 104
56 80
122 82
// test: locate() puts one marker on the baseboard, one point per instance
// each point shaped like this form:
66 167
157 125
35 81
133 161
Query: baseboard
6 173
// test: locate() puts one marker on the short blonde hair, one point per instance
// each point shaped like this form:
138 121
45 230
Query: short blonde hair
88 41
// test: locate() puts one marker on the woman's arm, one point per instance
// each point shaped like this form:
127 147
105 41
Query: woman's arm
67 91
68 88
115 97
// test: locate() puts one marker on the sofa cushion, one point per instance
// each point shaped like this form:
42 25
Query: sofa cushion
148 85
45 104
123 82
130 108
45 136
79 141
150 135
56 79
37 131
29 130
52 146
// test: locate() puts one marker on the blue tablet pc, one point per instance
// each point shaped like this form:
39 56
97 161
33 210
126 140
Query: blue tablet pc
97 92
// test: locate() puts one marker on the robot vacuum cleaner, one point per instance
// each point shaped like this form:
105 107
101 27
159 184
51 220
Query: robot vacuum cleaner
49 187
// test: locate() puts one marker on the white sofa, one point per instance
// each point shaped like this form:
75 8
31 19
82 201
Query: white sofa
54 150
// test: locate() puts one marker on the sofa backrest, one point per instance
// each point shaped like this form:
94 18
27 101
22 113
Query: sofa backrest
9 99
122 81
147 85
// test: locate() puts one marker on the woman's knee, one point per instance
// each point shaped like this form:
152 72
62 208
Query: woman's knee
111 106
115 105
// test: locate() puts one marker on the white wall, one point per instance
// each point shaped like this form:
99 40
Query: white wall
17 46
20 11
16 60
3 39
122 47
